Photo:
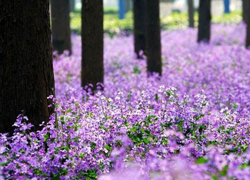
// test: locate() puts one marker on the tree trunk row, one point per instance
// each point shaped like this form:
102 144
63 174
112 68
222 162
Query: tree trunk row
26 73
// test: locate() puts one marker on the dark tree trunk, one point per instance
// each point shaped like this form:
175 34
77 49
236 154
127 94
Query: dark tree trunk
26 70
139 27
244 10
191 13
247 12
92 42
60 25
204 29
153 37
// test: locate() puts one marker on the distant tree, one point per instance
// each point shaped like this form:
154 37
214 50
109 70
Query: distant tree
191 13
247 21
204 28
122 9
153 37
92 42
72 5
226 6
26 71
245 10
61 25
128 5
139 8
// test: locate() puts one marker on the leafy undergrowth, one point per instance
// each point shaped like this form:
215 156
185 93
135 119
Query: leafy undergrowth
193 123
114 26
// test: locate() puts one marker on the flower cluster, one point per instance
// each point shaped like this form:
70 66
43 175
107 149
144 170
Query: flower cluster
192 123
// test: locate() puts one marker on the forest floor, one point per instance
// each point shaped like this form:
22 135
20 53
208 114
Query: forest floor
192 123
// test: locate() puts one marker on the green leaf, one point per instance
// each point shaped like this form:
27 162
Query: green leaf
81 155
243 166
46 137
168 93
63 172
56 177
224 171
136 70
109 148
156 97
146 140
201 160
244 147
151 117
215 177
92 145
134 128
76 139
69 110
90 174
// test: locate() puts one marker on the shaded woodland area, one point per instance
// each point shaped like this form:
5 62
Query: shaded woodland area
128 106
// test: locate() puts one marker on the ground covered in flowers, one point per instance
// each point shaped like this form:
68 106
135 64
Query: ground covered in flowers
192 123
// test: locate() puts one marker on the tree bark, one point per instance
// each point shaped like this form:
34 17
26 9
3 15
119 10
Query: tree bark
244 10
247 21
191 13
61 25
92 43
153 37
139 27
26 70
204 29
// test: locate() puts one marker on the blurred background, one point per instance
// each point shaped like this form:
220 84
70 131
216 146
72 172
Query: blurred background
174 14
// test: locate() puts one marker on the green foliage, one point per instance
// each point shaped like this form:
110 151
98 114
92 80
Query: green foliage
201 160
139 134
113 25
62 172
90 174
137 70
224 171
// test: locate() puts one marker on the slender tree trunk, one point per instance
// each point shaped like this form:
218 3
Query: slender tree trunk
139 27
244 10
92 42
204 29
128 5
247 12
191 13
26 70
72 5
226 6
61 25
153 37
122 9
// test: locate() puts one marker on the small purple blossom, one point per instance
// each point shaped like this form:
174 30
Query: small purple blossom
192 123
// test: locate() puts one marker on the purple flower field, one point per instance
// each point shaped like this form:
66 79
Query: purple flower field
193 123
